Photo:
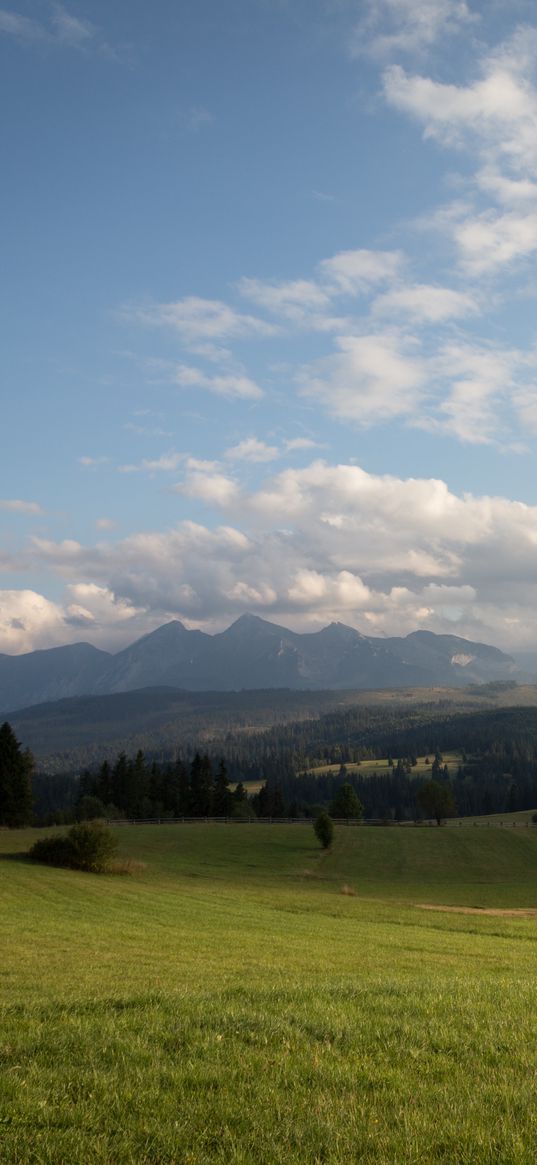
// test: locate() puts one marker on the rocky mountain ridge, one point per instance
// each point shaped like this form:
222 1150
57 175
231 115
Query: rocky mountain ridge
251 653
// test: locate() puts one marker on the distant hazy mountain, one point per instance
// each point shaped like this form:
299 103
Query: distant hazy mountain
251 654
49 675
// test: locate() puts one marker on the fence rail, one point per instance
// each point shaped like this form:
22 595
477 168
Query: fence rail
371 822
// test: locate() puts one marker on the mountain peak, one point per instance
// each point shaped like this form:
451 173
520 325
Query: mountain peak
247 623
343 630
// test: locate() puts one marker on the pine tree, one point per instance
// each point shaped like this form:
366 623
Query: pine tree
346 803
16 769
221 796
201 786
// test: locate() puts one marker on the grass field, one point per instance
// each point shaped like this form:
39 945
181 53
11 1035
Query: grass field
422 769
247 999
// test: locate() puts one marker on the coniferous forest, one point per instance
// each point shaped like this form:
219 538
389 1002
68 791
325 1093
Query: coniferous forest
283 772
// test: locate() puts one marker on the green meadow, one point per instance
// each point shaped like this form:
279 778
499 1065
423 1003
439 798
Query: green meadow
246 998
382 768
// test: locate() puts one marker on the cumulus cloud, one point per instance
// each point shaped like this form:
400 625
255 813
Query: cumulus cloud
494 118
496 111
426 304
369 379
251 449
29 621
309 302
204 482
353 272
323 542
488 242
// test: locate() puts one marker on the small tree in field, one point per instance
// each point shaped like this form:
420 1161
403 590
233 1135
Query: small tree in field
436 800
324 829
346 803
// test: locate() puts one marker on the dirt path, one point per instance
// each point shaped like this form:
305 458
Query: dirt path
522 913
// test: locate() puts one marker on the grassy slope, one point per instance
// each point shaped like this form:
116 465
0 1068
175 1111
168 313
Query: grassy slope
382 768
231 1004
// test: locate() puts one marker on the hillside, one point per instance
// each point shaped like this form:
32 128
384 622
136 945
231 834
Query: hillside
73 733
245 997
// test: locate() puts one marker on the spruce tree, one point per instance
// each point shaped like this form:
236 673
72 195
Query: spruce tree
16 769
221 796
201 786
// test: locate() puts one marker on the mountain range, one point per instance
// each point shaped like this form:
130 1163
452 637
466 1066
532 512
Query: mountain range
252 653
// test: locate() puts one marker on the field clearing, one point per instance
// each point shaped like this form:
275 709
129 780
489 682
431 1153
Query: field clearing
367 767
248 998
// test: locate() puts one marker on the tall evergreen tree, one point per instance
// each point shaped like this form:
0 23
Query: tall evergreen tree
201 786
16 769
222 800
120 782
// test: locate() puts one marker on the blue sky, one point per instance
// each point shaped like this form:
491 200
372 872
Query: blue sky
269 296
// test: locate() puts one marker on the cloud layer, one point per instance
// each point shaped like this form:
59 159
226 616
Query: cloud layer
324 542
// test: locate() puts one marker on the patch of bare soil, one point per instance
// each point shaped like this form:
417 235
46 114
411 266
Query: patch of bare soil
522 913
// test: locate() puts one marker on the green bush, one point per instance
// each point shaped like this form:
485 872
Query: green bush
324 829
88 845
54 851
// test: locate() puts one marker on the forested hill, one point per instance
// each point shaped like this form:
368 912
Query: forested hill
486 761
72 734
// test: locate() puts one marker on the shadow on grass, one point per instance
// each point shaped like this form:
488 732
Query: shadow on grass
18 857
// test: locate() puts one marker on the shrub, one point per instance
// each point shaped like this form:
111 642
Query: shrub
54 851
88 845
324 829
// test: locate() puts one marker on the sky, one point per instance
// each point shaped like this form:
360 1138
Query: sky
269 303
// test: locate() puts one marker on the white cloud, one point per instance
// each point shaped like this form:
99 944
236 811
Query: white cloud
28 620
62 29
18 506
22 27
354 272
480 379
327 541
166 463
232 386
391 26
295 299
92 462
369 379
70 30
426 304
494 116
105 523
197 320
251 449
294 444
491 241
308 302
513 192
208 485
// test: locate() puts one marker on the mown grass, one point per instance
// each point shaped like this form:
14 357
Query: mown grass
230 1003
